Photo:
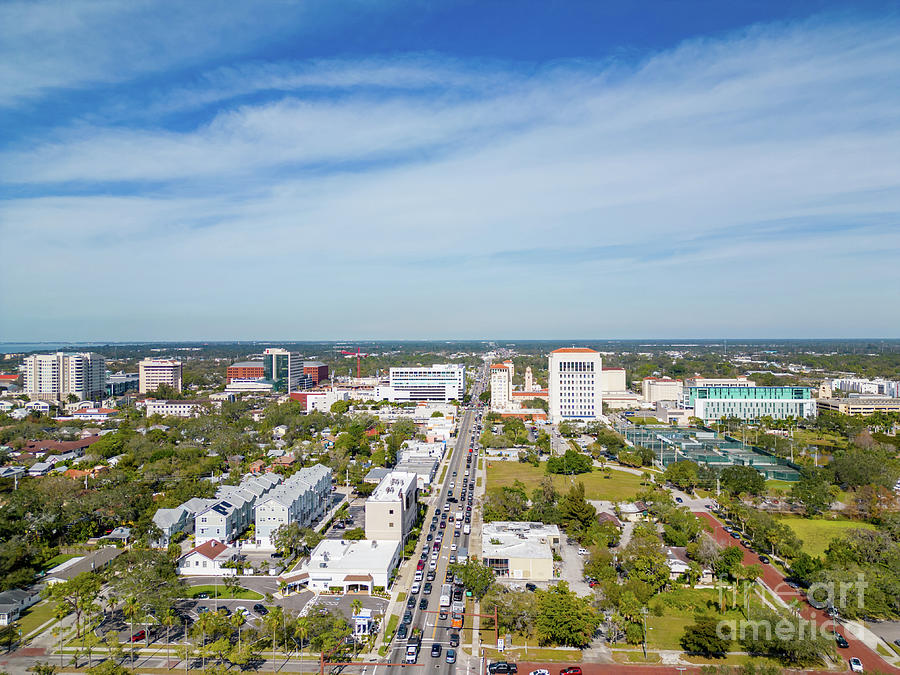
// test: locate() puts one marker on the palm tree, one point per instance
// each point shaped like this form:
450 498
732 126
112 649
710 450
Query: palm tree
202 623
301 630
274 619
132 608
168 619
356 608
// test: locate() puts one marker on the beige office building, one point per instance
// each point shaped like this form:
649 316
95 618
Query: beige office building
391 508
859 406
655 389
154 372
520 550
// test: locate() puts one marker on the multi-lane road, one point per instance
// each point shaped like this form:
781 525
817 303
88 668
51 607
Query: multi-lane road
435 629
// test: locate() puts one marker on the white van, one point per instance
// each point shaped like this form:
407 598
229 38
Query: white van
467 529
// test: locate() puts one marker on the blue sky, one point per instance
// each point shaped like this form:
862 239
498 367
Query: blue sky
334 169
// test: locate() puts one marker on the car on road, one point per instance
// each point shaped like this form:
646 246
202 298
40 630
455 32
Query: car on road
430 577
451 656
407 617
260 609
453 546
411 601
571 670
442 615
426 589
679 500
454 639
856 665
436 649
423 603
764 560
540 671
841 641
416 587
452 558
530 587
402 631
432 565
420 565
502 668
140 635
430 537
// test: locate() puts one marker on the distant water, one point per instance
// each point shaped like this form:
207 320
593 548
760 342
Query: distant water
18 347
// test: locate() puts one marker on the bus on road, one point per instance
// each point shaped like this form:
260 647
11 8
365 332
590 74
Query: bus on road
445 595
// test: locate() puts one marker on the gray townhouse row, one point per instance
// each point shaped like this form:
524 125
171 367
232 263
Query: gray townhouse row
234 507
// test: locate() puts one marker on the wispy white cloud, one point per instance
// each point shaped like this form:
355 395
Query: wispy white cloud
765 156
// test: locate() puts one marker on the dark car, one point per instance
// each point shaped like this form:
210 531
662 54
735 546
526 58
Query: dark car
432 527
442 615
502 668
407 617
841 641
260 609
423 603
455 533
530 587
411 601
430 576
224 610
764 560
451 656
430 537
454 639
426 589
678 500
202 596
140 635
443 524
735 535
402 631
436 649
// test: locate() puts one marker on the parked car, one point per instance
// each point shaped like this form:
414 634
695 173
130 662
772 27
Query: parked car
764 560
856 665
140 635
416 587
502 668
841 641
530 587
540 671
679 500
571 670
407 617
260 609
583 551
411 601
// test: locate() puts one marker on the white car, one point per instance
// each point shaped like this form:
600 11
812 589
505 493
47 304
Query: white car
453 546
539 671
583 551
416 587
432 565
856 665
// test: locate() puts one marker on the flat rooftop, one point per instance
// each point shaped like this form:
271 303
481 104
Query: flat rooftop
393 485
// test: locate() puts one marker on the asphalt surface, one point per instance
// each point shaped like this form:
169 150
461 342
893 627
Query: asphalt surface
434 629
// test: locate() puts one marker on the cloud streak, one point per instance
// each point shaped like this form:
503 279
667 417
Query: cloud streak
772 155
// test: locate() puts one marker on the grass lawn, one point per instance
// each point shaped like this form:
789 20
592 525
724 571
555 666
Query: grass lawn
817 534
224 593
733 660
57 560
391 626
620 486
35 616
783 485
636 657
646 420
535 654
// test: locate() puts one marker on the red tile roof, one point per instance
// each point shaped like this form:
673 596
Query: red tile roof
211 549
574 350
6 377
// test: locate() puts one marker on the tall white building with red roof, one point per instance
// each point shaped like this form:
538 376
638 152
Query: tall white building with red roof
576 385
501 386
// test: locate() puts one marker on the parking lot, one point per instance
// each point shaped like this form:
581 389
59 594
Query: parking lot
356 518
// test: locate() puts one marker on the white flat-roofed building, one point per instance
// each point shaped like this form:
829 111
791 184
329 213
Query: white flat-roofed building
155 372
167 408
520 550
391 508
576 387
439 382
655 389
713 410
351 566
424 468
54 377
613 379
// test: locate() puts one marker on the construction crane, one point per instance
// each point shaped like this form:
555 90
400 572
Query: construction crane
358 355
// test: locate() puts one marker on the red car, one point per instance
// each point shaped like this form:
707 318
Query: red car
571 670
421 565
140 635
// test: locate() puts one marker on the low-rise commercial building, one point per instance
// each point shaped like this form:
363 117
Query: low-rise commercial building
244 370
176 408
655 389
346 566
864 405
520 550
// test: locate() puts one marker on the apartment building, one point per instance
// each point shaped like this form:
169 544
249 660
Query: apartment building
439 382
391 508
576 388
231 512
301 499
55 377
501 385
655 389
154 372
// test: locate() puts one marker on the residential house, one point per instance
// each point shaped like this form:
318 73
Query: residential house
208 559
15 601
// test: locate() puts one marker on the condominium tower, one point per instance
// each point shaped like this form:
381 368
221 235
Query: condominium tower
55 377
